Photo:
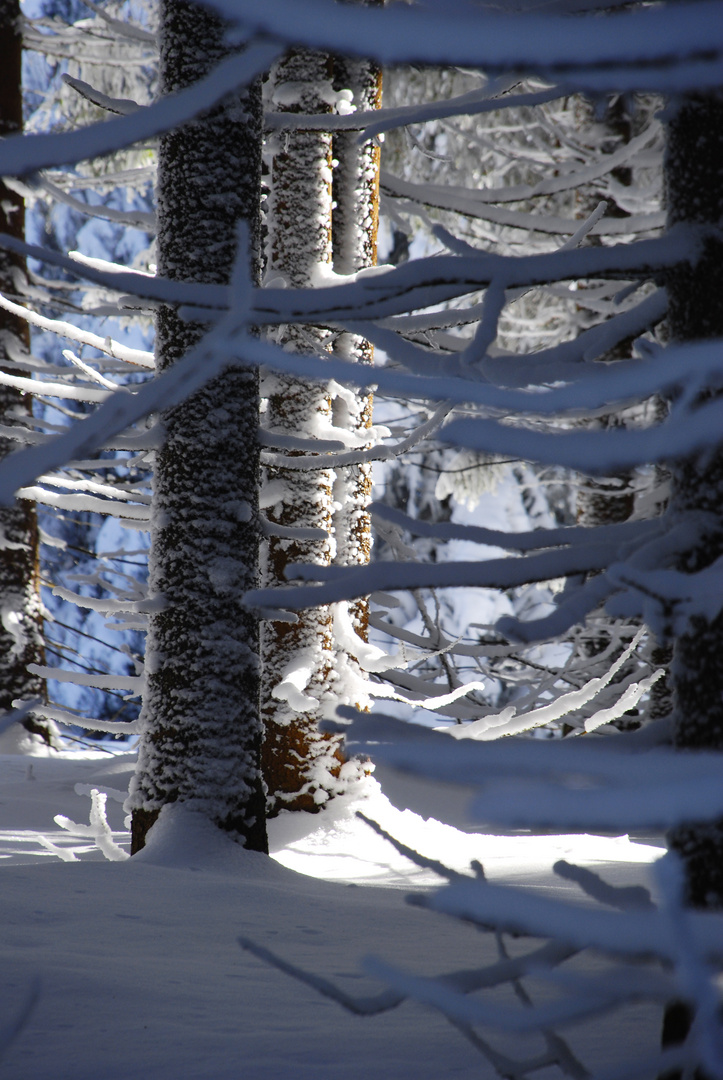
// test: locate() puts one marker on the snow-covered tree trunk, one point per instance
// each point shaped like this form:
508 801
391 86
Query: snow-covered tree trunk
301 767
355 191
21 626
694 173
202 731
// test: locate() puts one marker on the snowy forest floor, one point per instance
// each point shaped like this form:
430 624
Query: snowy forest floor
137 967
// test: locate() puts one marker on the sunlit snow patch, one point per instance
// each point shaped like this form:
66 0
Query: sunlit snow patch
337 846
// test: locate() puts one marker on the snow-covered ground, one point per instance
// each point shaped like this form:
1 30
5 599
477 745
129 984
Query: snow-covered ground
135 966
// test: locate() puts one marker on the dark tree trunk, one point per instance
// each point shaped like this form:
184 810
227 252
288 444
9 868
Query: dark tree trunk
694 177
202 732
21 624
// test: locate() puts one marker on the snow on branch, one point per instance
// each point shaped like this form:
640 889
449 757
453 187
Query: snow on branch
72 719
521 542
123 27
656 48
139 357
508 723
600 996
597 453
630 933
138 219
120 106
24 154
420 752
119 411
98 829
422 283
386 292
132 683
348 583
378 121
464 200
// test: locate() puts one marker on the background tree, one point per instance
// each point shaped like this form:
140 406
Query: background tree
99 206
21 633
316 515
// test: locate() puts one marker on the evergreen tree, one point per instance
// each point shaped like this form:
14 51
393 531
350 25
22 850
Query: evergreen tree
21 624
695 199
200 717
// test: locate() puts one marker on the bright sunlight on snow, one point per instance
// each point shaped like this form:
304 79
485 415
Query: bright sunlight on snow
133 968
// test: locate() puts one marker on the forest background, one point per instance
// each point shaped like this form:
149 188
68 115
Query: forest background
526 340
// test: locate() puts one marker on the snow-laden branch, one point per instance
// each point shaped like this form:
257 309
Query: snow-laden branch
23 154
120 410
632 933
378 121
575 605
574 1007
133 683
123 27
111 275
601 388
378 452
558 363
509 722
138 219
98 830
642 806
695 974
656 48
438 279
561 362
348 583
420 752
464 200
385 292
120 106
597 453
52 389
132 515
71 719
510 541
139 357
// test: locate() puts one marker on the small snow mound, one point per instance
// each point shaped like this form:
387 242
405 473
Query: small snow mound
16 740
186 840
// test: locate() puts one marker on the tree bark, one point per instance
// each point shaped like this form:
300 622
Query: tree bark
301 766
355 224
694 179
694 176
21 622
202 731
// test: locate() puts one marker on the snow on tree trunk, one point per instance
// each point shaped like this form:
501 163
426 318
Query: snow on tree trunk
355 221
302 767
202 732
694 174
21 623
